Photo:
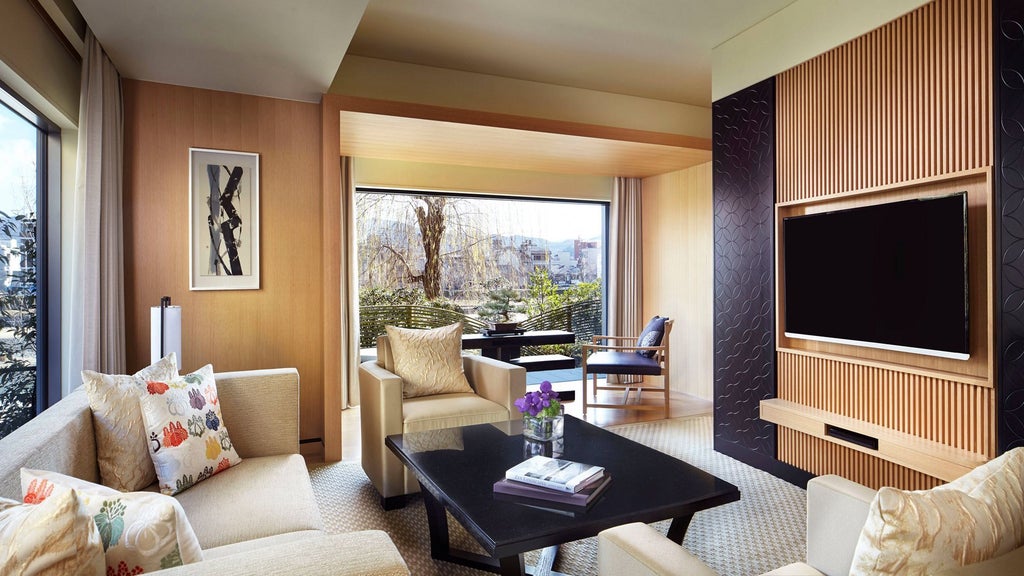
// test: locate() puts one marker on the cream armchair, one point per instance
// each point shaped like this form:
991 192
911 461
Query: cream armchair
836 512
384 411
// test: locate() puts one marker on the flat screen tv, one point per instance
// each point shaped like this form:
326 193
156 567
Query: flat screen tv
890 276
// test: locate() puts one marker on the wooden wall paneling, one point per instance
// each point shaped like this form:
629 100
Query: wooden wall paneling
1009 116
903 111
678 270
279 324
333 332
925 109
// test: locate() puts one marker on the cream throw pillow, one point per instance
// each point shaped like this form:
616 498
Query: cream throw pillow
429 362
974 518
140 531
122 451
56 537
189 441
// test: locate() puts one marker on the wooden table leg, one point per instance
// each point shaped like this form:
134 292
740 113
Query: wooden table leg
677 530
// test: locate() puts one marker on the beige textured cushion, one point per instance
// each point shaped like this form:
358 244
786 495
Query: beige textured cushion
429 361
142 531
260 497
121 449
969 520
189 440
449 411
56 537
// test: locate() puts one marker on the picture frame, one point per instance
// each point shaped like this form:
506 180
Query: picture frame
224 223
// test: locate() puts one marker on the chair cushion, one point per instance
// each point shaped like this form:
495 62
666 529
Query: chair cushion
969 520
122 450
450 411
259 497
142 531
429 361
54 537
189 440
616 362
651 335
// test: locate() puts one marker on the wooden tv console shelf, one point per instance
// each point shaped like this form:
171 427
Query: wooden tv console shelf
938 460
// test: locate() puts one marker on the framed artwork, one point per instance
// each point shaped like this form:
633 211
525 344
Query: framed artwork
224 222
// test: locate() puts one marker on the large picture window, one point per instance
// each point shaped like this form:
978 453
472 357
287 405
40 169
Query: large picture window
428 258
27 141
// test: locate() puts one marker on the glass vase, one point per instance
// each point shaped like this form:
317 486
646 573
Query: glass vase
543 428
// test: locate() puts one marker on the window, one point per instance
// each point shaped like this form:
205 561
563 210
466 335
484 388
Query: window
429 258
29 177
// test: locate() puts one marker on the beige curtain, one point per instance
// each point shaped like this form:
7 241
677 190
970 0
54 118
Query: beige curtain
625 266
349 289
97 338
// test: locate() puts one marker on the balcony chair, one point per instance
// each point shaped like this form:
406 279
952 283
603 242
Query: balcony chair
644 355
384 410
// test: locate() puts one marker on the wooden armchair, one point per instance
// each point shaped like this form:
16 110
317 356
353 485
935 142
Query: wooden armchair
621 355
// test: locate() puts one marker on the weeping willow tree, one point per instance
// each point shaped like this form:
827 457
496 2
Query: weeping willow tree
436 243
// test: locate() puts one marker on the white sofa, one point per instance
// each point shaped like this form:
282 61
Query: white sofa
836 511
257 517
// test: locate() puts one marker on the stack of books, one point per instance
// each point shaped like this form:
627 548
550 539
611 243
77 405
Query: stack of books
544 481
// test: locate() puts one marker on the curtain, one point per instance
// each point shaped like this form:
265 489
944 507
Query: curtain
625 283
349 289
97 331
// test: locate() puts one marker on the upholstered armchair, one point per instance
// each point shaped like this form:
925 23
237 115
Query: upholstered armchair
384 411
974 520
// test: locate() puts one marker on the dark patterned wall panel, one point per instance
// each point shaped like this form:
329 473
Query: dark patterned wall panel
744 196
1009 184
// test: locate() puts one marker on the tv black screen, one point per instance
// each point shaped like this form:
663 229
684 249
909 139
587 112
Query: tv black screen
891 276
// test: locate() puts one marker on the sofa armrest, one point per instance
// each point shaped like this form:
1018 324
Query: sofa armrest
639 550
261 410
495 380
380 414
836 511
364 553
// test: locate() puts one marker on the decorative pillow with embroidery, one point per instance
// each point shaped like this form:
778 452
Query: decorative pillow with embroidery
121 449
56 537
651 335
972 519
429 362
140 531
188 439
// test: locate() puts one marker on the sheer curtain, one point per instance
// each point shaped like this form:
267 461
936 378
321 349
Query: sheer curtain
625 266
97 332
349 289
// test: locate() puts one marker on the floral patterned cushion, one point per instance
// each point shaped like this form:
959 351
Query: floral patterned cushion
140 531
56 537
121 449
188 438
972 519
429 361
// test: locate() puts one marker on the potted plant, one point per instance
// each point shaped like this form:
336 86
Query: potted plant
500 309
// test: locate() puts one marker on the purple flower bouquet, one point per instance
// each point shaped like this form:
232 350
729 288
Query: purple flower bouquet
542 413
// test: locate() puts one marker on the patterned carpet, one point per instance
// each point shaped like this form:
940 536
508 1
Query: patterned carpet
761 532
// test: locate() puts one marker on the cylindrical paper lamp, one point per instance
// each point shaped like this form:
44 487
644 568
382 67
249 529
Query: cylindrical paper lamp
164 330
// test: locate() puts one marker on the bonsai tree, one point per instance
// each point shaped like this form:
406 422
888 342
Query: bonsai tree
501 304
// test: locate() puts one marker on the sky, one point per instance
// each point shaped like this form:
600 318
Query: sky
553 221
17 160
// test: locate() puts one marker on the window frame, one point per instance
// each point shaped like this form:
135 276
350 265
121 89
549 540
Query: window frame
48 242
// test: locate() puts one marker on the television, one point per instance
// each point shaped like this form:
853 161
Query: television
891 276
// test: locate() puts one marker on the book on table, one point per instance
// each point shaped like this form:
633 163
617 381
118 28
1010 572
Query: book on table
539 496
554 473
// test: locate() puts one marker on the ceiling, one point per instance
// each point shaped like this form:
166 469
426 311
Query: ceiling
655 49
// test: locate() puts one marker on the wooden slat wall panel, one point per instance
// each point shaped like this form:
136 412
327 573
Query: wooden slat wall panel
822 457
951 413
907 101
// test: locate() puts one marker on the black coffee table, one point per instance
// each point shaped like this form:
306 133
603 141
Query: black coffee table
457 468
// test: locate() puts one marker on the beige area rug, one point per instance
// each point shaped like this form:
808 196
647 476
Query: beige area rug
761 532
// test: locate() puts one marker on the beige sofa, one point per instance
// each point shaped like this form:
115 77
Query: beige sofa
257 517
836 511
383 411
